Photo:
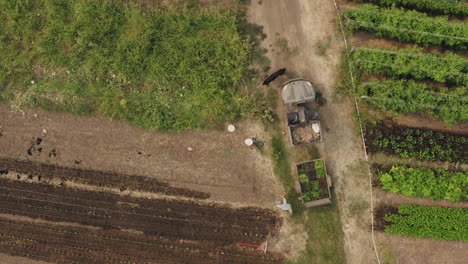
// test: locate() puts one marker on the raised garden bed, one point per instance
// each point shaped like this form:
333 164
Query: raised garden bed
314 184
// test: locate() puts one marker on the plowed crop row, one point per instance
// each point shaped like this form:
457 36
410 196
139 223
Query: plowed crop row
117 240
170 221
97 178
82 245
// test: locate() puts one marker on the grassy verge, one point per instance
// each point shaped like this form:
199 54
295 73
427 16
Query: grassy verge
325 242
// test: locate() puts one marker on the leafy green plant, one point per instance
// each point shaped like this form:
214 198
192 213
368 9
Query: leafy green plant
319 169
422 182
315 195
441 7
429 222
408 26
303 178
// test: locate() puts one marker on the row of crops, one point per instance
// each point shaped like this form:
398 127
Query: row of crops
426 74
436 7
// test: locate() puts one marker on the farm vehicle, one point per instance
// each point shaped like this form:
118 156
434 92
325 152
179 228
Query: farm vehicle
303 123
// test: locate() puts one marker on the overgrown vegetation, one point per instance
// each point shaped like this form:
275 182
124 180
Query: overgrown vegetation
437 7
431 222
401 96
422 182
161 67
408 26
413 63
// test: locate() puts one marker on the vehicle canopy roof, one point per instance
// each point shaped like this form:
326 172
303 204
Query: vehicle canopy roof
297 91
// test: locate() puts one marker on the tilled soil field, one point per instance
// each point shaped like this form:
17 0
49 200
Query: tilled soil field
42 171
125 229
65 244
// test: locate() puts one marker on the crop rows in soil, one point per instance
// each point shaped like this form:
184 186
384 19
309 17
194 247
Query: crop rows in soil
82 245
158 217
97 178
445 140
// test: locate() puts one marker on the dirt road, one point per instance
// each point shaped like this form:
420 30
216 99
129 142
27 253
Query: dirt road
313 51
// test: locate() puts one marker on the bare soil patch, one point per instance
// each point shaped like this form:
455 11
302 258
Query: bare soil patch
219 164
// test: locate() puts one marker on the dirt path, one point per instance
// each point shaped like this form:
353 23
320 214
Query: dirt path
314 49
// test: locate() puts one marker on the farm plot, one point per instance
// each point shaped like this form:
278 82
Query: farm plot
65 244
210 230
153 217
409 26
423 182
48 172
219 165
424 221
394 79
418 143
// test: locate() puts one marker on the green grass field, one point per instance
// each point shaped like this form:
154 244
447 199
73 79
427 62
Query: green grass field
160 67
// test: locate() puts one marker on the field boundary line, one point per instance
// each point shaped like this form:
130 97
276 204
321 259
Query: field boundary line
407 30
362 134
440 58
427 70
427 19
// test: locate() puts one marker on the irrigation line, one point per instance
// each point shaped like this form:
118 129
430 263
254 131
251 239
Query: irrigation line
419 68
429 19
461 98
362 134
407 30
439 58
409 102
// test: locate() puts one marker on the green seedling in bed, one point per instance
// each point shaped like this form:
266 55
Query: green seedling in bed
315 186
315 195
303 178
319 169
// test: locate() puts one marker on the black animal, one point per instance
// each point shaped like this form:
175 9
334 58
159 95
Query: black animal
273 76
